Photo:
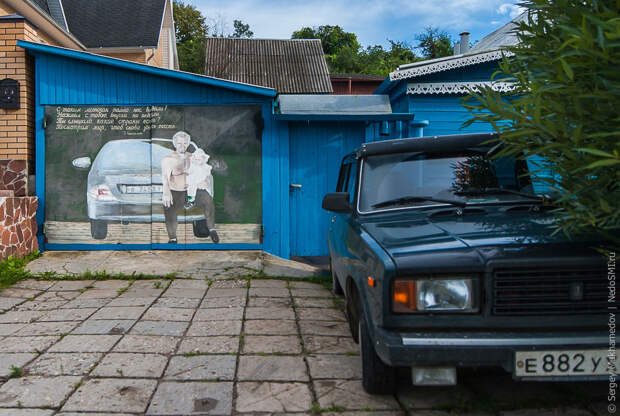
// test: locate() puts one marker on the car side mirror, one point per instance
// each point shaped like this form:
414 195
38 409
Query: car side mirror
337 202
81 163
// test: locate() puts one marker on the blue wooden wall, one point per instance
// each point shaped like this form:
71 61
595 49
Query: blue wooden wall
65 81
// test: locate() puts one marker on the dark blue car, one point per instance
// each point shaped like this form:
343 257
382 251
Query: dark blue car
447 259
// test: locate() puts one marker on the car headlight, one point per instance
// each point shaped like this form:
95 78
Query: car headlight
434 295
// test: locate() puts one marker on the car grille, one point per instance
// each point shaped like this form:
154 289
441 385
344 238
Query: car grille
551 291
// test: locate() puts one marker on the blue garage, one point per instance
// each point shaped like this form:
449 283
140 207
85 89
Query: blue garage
133 157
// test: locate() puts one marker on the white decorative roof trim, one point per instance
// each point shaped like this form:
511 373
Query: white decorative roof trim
426 88
444 64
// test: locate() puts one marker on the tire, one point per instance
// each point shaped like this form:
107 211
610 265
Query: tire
336 288
377 377
98 229
201 229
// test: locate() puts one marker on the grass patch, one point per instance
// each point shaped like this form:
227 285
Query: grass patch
317 409
103 275
16 372
12 269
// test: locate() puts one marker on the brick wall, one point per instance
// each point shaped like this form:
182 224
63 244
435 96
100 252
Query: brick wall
18 226
139 57
17 126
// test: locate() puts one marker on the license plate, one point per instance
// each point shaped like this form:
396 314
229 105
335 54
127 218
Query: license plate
562 363
141 189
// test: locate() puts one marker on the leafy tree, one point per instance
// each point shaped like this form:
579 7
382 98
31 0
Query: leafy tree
565 107
242 30
434 43
191 33
333 38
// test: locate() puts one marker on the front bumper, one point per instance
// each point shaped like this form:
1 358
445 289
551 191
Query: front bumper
472 349
131 211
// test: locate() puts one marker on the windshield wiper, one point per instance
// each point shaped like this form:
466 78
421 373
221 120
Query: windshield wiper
407 199
488 191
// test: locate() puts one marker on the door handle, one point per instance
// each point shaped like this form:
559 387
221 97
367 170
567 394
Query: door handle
333 219
295 185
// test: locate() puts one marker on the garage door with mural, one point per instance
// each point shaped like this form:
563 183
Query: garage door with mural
153 175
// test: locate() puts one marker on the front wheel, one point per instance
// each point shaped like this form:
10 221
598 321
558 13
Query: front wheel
98 229
377 377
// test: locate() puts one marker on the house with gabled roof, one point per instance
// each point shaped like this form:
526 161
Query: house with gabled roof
141 32
433 90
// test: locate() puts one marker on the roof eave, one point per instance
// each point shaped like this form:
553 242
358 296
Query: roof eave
169 73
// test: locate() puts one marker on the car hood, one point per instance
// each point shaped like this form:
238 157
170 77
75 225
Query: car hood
471 240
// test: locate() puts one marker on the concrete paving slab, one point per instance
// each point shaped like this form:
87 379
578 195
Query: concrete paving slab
184 293
46 328
177 303
210 345
85 343
269 292
219 314
15 292
147 344
131 365
142 293
119 312
131 301
112 395
423 397
333 328
26 412
77 314
101 327
51 296
270 327
206 328
86 303
269 313
280 284
271 368
70 285
229 284
8 361
169 314
159 328
226 292
98 294
189 284
64 364
311 293
350 395
256 344
15 317
37 305
300 284
331 366
330 345
111 284
202 367
36 391
7 303
27 344
8 329
188 398
224 302
255 302
314 303
312 314
273 397
34 284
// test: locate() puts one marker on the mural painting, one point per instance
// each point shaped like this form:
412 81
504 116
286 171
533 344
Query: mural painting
159 174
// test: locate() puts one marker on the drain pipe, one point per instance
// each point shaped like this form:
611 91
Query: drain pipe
150 57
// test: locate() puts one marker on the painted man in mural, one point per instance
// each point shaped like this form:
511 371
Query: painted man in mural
180 173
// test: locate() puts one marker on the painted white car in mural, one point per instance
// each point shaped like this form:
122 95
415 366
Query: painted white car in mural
125 185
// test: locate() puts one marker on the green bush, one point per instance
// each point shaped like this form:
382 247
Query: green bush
565 107
12 269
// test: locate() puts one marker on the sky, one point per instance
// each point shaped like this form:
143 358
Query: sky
374 22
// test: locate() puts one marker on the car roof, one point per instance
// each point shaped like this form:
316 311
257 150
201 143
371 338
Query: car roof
429 144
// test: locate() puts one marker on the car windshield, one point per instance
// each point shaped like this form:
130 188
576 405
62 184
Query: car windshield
414 179
132 155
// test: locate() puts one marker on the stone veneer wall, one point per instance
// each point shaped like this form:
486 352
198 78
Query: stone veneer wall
13 174
18 226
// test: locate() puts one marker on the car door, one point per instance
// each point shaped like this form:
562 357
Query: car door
340 222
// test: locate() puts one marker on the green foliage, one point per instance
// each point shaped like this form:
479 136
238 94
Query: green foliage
434 43
12 269
345 55
16 372
565 107
242 30
191 33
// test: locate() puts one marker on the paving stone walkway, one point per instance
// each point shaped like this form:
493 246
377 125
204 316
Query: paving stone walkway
232 346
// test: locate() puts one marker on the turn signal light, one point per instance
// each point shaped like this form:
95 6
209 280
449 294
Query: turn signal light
371 281
404 296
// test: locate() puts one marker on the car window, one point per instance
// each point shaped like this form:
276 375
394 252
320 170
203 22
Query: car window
350 187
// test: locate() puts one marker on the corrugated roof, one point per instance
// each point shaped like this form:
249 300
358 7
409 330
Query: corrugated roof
500 38
115 23
291 66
